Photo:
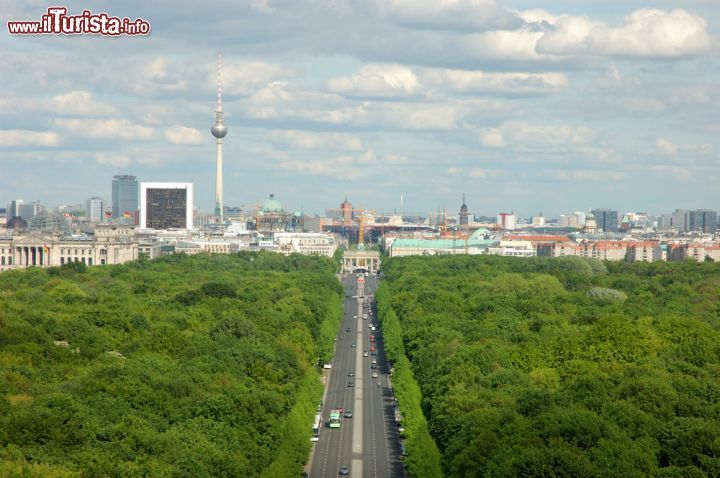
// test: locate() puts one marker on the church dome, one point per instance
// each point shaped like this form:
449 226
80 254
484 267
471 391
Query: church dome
272 205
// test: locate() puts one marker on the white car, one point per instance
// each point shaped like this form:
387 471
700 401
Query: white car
374 375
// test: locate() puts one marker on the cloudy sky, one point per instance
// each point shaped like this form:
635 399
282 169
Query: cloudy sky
575 105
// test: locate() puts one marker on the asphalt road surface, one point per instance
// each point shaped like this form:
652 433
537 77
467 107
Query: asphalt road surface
368 443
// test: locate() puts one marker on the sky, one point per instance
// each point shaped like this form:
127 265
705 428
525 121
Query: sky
524 106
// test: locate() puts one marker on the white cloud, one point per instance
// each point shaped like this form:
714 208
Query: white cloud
463 81
526 137
448 14
664 146
483 173
505 45
179 134
246 77
112 159
112 128
492 138
338 167
668 148
292 139
276 102
16 137
649 33
377 81
80 103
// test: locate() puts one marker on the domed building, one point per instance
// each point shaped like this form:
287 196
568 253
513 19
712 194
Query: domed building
590 224
272 205
50 222
272 217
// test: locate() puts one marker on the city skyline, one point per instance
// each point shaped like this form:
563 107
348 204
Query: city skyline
562 109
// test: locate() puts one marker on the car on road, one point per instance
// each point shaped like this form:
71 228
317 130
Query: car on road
365 354
351 374
348 414
374 375
344 471
347 330
351 384
365 316
374 352
373 366
354 316
352 345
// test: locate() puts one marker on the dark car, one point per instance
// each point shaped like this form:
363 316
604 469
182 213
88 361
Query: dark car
351 384
347 330
344 471
351 374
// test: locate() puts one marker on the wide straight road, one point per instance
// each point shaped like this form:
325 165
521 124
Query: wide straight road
367 444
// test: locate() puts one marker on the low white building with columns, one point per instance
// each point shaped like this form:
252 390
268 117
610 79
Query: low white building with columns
109 245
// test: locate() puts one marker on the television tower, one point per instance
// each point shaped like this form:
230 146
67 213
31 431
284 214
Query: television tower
219 130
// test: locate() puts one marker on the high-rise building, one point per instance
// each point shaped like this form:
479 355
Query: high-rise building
464 214
13 208
219 130
124 196
703 220
166 205
606 220
506 221
95 209
28 211
680 220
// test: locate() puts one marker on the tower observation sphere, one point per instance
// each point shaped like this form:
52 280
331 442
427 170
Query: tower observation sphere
219 130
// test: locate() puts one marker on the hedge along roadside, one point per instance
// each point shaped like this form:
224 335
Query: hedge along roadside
423 456
295 447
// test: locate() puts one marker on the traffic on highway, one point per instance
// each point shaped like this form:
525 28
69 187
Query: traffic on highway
359 437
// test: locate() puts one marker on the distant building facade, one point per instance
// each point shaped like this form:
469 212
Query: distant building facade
506 221
27 211
95 209
124 196
109 245
166 205
606 220
305 243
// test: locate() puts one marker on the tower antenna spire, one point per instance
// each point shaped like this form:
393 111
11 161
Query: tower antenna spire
219 81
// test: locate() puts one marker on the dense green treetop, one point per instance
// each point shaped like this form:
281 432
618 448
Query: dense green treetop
181 366
564 367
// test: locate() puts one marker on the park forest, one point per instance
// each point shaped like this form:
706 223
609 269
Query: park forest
199 366
540 367
184 366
